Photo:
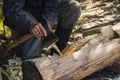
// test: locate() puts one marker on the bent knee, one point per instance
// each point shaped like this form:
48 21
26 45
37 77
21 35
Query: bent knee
75 5
72 4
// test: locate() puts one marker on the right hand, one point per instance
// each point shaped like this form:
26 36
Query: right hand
38 31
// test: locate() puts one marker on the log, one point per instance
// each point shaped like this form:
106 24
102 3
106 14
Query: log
115 67
105 30
116 28
96 54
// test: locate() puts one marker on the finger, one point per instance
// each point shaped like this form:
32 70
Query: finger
43 29
37 33
34 33
38 29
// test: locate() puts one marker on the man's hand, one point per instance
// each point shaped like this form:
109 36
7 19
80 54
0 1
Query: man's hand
38 31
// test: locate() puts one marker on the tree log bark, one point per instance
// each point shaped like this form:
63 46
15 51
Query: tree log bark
116 65
84 60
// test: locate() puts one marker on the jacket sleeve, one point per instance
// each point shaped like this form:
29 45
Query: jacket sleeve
50 11
14 12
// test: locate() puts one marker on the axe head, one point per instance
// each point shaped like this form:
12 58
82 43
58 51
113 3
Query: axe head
49 39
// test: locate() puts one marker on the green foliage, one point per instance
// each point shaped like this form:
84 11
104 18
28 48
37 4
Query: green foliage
7 30
1 18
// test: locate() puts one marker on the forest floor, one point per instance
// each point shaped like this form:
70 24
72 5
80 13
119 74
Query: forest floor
99 14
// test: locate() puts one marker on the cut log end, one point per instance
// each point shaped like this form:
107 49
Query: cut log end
30 72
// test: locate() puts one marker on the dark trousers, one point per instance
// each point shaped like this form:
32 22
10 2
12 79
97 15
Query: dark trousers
69 13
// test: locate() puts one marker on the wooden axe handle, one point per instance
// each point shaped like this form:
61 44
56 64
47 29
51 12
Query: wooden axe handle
17 42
